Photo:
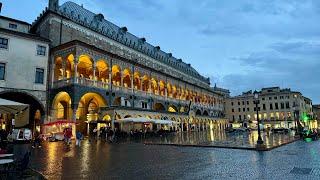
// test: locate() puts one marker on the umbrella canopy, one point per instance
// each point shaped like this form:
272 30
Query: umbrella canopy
135 120
11 107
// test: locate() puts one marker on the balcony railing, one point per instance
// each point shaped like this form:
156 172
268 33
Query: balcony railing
126 90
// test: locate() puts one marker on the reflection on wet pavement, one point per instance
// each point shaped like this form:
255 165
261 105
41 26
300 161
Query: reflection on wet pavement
221 138
129 160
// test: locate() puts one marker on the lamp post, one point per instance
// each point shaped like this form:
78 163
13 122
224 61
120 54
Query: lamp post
256 101
296 114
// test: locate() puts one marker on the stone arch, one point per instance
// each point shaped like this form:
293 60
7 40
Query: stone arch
61 106
126 75
88 109
145 83
172 108
70 66
198 112
102 70
58 68
169 90
116 75
205 113
162 87
159 107
136 80
85 67
154 86
34 103
174 91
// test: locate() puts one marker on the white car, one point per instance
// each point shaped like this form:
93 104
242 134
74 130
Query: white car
23 134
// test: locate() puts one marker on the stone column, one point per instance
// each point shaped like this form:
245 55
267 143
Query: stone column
132 82
75 77
121 81
149 83
141 85
64 68
94 74
110 78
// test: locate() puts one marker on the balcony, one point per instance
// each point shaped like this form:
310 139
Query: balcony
127 90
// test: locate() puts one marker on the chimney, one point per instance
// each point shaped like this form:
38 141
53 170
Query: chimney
54 5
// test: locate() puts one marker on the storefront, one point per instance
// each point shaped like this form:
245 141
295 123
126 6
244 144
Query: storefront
59 126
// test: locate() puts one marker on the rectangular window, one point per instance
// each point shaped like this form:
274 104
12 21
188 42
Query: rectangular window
238 103
264 106
275 97
240 117
2 71
270 98
41 50
263 99
271 107
287 105
13 26
39 76
3 43
282 105
232 110
239 109
233 117
231 103
276 105
244 109
242 102
247 102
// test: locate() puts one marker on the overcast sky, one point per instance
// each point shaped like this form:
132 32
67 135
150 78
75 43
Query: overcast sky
239 44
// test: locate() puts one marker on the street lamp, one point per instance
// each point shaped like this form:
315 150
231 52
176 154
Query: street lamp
256 101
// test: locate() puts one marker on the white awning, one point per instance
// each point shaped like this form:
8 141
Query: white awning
135 120
145 120
160 121
11 107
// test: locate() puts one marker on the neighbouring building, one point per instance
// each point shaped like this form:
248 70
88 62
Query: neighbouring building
277 108
101 73
316 112
23 72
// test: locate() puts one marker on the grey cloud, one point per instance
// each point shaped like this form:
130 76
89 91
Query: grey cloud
301 48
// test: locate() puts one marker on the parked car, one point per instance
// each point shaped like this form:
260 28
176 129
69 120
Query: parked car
20 135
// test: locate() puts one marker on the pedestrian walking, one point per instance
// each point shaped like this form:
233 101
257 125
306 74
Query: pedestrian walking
67 135
95 133
79 137
37 140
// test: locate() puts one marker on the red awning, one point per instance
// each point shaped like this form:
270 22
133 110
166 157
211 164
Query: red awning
60 122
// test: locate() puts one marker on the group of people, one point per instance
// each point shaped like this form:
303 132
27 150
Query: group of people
105 133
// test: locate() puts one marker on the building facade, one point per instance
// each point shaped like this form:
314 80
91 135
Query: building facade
23 70
100 72
277 108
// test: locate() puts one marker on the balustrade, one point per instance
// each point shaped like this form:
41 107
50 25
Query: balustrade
127 90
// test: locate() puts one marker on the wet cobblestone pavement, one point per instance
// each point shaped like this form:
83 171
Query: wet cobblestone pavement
130 160
222 139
